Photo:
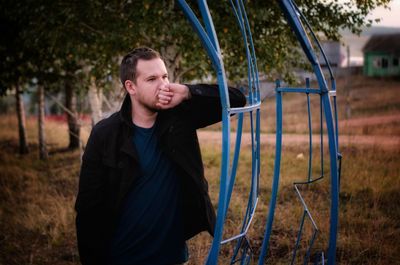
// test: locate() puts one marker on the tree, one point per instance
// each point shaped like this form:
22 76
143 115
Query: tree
118 26
14 70
41 125
23 143
57 40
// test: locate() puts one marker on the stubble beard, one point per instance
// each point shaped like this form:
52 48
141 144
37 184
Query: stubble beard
147 106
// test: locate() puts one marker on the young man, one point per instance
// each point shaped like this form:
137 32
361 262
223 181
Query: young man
142 191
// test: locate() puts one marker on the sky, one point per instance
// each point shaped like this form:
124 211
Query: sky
389 18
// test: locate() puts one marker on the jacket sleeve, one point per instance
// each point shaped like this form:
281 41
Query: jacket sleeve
204 107
90 220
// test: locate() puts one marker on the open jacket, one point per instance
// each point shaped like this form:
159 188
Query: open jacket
110 168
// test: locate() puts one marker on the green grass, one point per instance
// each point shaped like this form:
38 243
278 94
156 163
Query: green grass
37 198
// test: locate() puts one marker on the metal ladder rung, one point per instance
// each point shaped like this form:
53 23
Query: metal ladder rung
247 227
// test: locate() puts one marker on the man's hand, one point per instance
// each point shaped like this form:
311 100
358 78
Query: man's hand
172 95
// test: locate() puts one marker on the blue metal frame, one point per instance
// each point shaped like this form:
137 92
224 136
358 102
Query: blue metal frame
294 17
228 171
209 40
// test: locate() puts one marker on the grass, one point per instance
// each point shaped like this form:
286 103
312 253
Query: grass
37 198
369 214
366 97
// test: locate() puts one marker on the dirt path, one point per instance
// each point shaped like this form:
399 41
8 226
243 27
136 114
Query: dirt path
386 142
373 120
377 141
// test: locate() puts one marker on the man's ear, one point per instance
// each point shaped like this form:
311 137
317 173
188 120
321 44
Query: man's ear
130 87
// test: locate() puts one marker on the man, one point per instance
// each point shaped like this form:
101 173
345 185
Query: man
142 191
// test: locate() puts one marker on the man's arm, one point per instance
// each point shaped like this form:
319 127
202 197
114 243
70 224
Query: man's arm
204 106
202 102
172 95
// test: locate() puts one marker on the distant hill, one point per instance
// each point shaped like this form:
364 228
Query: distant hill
356 43
368 31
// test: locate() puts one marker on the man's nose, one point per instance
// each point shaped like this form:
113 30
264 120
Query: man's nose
162 82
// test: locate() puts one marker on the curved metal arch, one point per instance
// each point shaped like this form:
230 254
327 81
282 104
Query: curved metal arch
209 40
294 17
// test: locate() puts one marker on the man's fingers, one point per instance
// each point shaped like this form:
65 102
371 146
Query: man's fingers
163 101
165 97
162 106
165 93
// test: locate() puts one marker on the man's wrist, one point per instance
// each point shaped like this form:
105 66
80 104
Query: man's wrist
188 94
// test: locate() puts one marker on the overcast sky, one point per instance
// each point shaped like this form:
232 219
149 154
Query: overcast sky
389 18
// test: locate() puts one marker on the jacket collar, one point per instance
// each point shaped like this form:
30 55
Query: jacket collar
162 120
125 115
126 112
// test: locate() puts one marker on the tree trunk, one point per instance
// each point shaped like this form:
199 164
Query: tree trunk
42 137
172 59
95 101
23 143
73 124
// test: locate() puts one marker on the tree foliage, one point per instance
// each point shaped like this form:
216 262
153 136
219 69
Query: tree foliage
47 39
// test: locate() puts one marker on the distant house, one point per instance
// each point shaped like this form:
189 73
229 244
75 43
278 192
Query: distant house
337 54
382 55
333 53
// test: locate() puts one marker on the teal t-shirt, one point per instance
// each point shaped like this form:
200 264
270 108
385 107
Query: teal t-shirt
150 227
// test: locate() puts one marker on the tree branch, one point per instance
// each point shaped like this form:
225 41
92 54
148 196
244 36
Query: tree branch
187 70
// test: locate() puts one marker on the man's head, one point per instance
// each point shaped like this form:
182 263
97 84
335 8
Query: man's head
143 75
128 68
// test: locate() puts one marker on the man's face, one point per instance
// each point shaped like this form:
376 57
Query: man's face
151 75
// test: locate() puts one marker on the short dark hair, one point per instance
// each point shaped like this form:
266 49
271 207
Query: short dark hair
127 69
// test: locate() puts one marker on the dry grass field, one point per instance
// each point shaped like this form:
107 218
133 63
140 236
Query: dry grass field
36 197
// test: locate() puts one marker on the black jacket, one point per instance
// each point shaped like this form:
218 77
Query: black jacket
110 162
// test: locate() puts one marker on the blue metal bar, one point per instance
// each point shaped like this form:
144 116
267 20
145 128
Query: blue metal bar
340 167
322 258
334 212
240 14
299 90
305 206
205 13
293 19
308 181
251 55
204 38
315 39
245 257
245 109
309 131
310 138
336 115
275 182
210 42
253 157
307 257
299 234
322 134
290 12
258 129
245 229
239 18
254 58
236 155
252 202
305 213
